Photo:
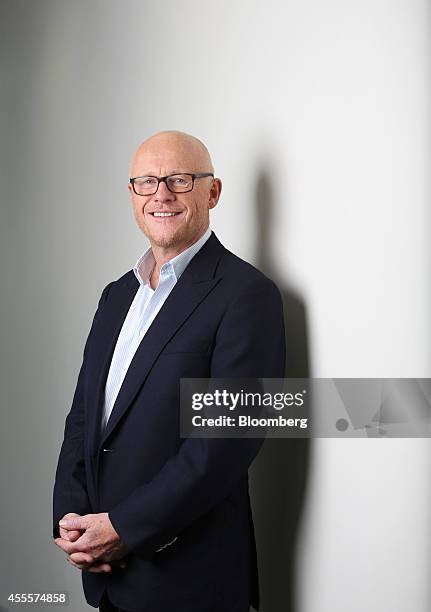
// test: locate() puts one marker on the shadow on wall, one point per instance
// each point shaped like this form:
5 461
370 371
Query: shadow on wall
279 473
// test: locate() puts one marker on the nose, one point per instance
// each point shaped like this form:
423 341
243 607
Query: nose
163 194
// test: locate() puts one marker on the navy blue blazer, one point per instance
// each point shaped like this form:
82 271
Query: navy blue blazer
223 319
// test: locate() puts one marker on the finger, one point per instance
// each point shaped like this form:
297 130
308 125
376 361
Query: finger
81 558
72 536
66 517
63 544
68 547
64 533
77 565
94 567
60 542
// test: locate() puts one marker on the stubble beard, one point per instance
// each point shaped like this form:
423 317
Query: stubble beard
166 240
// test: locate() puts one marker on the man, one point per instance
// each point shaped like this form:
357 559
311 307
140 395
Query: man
155 522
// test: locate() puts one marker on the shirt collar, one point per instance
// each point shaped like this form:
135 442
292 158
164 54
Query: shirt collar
146 262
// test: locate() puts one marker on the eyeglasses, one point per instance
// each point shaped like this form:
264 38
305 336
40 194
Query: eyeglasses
176 183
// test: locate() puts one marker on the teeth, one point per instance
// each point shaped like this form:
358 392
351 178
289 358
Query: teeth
165 214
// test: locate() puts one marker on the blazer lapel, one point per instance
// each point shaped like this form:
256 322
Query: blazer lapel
195 283
113 319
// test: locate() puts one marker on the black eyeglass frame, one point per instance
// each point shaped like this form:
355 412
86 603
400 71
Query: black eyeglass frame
163 179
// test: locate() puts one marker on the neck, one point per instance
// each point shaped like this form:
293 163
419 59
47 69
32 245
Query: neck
164 254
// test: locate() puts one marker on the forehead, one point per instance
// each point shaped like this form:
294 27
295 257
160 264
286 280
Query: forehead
168 155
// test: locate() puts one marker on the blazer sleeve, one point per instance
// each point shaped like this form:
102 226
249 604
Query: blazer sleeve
250 343
70 492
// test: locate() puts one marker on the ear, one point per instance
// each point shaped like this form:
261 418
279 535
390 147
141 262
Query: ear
215 192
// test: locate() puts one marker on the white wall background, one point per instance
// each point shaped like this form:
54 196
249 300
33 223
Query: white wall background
330 100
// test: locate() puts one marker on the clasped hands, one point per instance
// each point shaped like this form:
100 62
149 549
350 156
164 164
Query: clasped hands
91 542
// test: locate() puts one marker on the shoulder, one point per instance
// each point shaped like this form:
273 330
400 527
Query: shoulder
127 280
241 276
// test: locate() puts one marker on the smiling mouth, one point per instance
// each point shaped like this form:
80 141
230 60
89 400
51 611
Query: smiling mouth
164 214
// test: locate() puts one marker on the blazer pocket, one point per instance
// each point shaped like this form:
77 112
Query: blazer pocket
187 346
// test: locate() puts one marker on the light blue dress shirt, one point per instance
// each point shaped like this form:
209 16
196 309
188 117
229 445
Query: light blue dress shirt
142 312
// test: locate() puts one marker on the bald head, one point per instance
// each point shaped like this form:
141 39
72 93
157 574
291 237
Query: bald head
172 150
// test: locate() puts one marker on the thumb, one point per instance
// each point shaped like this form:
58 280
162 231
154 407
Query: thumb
72 523
63 531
